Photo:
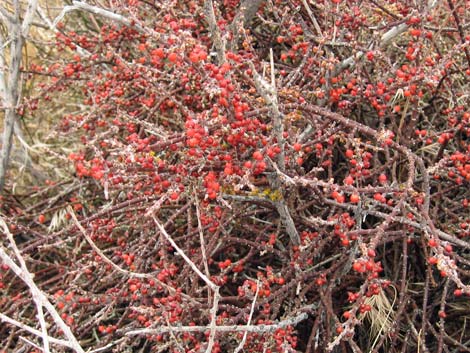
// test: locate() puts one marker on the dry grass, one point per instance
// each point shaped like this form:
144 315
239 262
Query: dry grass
381 315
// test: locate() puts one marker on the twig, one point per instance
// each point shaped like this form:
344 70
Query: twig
460 29
213 323
210 284
349 325
269 93
160 227
101 254
79 5
109 345
201 236
21 338
42 322
110 262
384 41
242 343
312 17
442 309
38 333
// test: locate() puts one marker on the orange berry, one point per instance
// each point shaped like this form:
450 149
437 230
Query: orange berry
173 57
354 198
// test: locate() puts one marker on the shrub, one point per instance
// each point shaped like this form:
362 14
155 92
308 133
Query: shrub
266 176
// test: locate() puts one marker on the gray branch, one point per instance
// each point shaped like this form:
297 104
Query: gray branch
219 42
79 5
22 272
235 328
10 89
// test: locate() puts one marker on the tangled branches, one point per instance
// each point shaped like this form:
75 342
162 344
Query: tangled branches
297 186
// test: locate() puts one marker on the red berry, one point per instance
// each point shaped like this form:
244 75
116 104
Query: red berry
257 155
159 52
415 32
173 57
349 180
358 267
354 198
42 219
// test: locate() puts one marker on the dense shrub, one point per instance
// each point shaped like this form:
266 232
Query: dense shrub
311 160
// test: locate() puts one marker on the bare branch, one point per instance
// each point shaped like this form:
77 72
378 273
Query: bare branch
242 342
201 236
235 328
210 284
42 322
79 5
23 273
160 227
384 41
6 17
28 17
110 262
269 94
29 329
11 91
312 17
213 323
11 95
219 42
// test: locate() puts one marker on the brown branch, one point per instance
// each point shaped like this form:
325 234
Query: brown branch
460 29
